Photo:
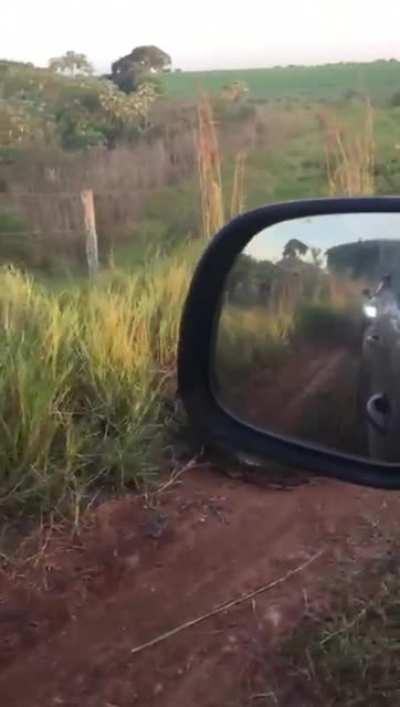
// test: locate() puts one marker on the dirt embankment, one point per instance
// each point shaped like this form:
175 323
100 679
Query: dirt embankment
71 613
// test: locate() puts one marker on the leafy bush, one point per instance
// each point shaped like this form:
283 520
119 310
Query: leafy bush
76 111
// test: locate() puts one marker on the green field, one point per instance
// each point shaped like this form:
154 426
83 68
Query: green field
379 80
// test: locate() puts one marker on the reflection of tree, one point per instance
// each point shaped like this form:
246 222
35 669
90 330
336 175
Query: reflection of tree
294 249
250 279
281 285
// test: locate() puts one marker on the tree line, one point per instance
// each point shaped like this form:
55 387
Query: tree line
66 104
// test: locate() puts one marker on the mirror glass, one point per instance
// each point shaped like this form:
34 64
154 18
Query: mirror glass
308 339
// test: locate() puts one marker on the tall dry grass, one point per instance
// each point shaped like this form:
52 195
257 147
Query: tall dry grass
212 201
350 153
84 375
238 188
210 177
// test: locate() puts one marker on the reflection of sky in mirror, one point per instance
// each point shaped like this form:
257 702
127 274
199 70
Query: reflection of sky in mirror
323 232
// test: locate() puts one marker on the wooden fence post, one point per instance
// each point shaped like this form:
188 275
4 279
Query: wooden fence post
92 251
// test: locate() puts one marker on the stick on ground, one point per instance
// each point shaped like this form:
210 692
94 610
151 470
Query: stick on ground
227 605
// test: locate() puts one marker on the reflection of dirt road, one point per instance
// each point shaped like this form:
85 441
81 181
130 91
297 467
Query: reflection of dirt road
314 395
70 617
320 374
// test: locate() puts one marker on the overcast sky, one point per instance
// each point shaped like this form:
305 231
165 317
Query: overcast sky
206 33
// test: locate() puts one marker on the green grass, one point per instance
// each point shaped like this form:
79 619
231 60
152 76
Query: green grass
249 339
290 162
379 79
296 167
348 655
84 374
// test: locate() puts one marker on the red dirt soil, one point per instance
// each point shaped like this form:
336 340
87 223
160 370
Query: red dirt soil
72 611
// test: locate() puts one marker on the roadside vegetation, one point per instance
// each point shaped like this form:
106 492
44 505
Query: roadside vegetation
273 309
88 380
88 367
348 653
86 372
264 349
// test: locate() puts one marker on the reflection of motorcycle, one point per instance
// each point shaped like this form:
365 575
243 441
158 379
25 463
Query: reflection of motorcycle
381 371
373 301
369 308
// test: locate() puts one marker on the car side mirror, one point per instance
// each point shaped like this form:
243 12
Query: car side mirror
275 361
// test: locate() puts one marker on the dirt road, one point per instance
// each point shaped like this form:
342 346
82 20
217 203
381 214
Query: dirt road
72 613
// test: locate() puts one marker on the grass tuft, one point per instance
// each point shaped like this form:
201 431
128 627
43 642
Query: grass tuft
84 373
350 153
350 656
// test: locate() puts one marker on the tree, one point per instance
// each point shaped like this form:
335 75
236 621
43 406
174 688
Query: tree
250 280
71 64
294 249
122 111
131 70
96 112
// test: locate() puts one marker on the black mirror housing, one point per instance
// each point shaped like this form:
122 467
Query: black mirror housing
197 346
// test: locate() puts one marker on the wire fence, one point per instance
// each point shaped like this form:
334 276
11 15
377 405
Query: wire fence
48 231
51 229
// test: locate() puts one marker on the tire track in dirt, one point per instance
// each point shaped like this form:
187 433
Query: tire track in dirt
321 373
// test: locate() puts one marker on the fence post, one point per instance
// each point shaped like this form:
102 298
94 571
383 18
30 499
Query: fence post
92 251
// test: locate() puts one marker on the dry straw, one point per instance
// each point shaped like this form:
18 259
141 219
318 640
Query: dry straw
350 153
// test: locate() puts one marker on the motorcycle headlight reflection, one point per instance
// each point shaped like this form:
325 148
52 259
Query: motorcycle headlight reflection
370 311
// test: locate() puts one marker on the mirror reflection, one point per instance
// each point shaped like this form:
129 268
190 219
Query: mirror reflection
308 342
